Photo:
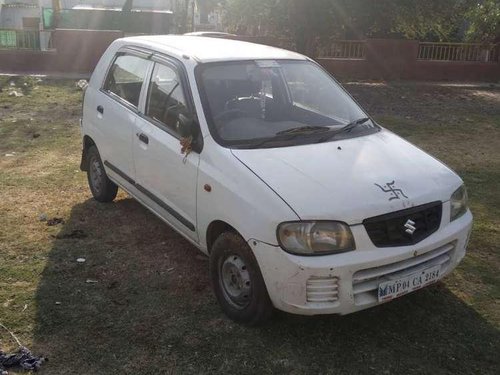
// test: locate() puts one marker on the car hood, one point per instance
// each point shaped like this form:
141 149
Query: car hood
352 179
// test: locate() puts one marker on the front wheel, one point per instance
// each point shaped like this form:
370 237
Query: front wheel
237 281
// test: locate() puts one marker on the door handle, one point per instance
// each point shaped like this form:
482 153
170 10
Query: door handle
100 109
143 138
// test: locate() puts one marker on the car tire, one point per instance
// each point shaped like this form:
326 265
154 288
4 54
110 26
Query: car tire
237 281
102 188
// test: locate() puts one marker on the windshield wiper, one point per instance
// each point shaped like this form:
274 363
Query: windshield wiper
352 124
304 130
345 128
307 129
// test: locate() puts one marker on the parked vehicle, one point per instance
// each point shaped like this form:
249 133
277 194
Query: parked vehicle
263 161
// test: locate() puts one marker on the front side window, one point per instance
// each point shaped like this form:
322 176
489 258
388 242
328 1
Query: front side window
166 100
126 76
271 103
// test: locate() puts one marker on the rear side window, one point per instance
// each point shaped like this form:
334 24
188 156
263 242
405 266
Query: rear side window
126 76
166 100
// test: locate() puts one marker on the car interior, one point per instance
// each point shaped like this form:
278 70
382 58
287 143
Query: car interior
244 108
128 89
166 100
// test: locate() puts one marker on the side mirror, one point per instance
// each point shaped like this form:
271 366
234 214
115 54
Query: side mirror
188 129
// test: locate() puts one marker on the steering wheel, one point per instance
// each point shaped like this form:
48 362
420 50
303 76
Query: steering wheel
230 114
170 108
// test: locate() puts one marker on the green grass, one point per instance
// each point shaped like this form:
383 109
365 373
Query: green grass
152 310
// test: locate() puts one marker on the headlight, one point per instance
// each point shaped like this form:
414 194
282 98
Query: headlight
458 203
315 237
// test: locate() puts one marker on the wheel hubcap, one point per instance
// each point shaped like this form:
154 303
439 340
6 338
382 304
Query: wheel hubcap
235 281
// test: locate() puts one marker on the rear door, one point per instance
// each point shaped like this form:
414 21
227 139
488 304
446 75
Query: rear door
164 175
116 111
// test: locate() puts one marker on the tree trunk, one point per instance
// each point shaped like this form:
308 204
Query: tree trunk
56 13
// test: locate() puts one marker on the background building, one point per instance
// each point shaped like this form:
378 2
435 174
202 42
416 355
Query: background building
19 14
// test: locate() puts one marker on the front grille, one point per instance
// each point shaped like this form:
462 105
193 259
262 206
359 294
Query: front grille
389 229
322 289
365 282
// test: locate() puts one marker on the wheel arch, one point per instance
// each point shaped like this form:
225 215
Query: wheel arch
215 229
87 143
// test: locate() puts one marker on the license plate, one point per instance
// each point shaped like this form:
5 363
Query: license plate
395 288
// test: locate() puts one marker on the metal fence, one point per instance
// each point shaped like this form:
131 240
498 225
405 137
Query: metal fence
458 52
20 39
344 49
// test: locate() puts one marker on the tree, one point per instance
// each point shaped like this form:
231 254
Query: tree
431 20
484 21
184 12
205 7
309 21
56 13
300 20
249 17
181 16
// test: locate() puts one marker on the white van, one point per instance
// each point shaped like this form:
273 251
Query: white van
259 158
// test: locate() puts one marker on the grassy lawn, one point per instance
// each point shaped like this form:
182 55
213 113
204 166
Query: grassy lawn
141 302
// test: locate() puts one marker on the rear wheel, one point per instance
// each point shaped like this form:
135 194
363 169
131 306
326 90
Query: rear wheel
237 281
102 188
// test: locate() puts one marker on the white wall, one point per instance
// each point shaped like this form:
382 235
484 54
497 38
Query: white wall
33 2
12 18
138 4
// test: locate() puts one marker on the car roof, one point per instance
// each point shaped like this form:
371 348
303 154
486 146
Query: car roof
205 49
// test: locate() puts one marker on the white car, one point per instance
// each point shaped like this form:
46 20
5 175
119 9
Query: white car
259 158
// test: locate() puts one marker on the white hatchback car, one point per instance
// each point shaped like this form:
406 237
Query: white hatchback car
260 159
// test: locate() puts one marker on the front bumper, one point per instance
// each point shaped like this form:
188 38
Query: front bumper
348 282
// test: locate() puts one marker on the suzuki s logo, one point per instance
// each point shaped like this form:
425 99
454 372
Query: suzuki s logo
410 226
394 192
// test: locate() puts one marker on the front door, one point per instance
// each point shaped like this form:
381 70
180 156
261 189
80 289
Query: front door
164 175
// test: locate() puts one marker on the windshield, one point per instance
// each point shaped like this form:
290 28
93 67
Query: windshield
269 103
